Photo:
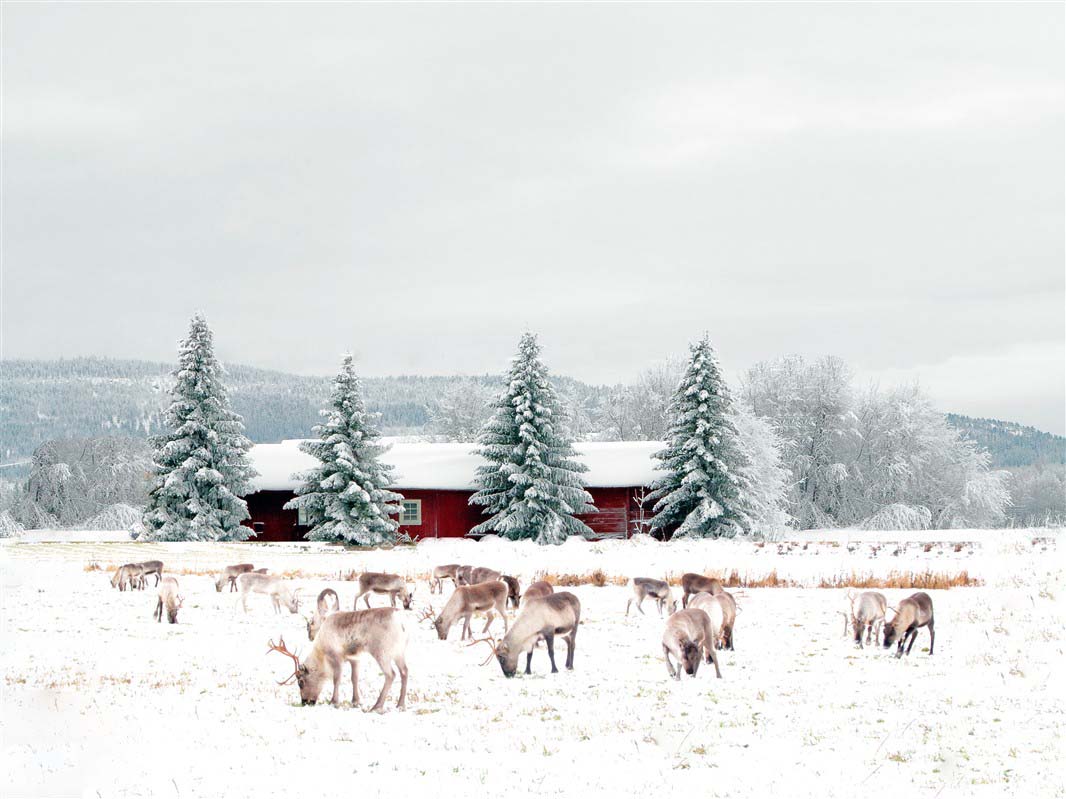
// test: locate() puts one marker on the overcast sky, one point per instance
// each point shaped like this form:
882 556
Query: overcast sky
420 183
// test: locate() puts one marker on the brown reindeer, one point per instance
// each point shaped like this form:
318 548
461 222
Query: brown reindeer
659 590
692 583
537 590
147 568
382 583
440 574
540 619
468 600
328 603
462 575
866 614
689 635
170 599
230 575
514 590
914 612
343 637
125 575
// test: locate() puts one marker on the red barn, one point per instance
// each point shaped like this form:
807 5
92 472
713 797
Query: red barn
437 480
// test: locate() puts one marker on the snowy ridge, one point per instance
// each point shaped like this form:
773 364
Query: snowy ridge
452 467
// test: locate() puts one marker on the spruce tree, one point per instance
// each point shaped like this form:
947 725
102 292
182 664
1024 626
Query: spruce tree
531 484
701 496
201 466
346 497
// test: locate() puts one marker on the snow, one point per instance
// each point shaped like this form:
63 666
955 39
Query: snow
129 707
452 467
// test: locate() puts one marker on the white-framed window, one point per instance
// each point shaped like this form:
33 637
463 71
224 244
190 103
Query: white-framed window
301 517
411 512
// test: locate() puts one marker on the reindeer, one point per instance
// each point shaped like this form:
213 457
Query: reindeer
689 634
468 600
271 585
695 583
914 612
536 591
343 637
328 603
381 583
230 575
483 574
170 599
462 575
866 612
514 590
127 574
263 570
659 590
440 574
542 618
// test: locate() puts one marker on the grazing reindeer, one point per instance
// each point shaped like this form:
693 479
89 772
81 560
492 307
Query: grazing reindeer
695 583
170 599
536 591
146 568
381 583
543 618
482 574
866 614
328 603
688 635
659 590
440 574
271 585
127 574
379 632
914 612
230 575
514 590
468 600
462 575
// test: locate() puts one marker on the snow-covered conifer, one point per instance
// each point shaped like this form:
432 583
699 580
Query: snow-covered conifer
201 465
346 497
702 494
532 483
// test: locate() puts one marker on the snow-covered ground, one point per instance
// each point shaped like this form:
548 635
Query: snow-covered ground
98 699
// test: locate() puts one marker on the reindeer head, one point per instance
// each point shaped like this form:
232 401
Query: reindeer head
890 634
314 623
292 601
501 650
407 597
309 682
219 583
690 657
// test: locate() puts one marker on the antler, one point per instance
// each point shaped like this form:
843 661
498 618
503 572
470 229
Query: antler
426 613
283 650
492 642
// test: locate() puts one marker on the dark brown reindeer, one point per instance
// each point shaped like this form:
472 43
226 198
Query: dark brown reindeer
692 583
379 632
230 575
541 619
514 590
689 635
915 612
468 600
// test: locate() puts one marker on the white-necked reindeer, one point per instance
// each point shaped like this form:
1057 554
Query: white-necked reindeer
170 599
659 590
382 583
379 632
468 600
690 634
541 619
271 585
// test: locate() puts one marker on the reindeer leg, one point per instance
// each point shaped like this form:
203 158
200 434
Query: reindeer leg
355 681
628 604
387 670
529 659
467 633
488 621
914 637
503 614
684 604
401 664
366 598
159 611
335 664
932 637
669 665
571 644
549 639
712 651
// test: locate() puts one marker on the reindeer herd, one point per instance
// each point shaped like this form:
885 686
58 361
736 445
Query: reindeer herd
693 633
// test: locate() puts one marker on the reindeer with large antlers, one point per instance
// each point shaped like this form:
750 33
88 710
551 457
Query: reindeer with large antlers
540 619
379 632
468 600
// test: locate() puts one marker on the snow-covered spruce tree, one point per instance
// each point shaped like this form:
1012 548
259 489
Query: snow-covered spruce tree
531 484
201 467
346 497
702 493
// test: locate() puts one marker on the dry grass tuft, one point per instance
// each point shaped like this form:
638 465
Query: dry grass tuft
92 566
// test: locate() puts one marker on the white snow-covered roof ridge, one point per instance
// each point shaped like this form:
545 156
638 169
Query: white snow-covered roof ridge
452 467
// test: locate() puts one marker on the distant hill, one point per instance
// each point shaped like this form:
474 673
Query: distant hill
86 397
1011 444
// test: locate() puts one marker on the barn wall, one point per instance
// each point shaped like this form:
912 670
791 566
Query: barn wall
445 514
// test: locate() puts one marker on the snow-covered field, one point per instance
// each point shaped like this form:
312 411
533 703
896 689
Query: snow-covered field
98 699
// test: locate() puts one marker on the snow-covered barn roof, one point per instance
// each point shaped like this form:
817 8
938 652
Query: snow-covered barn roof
452 467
